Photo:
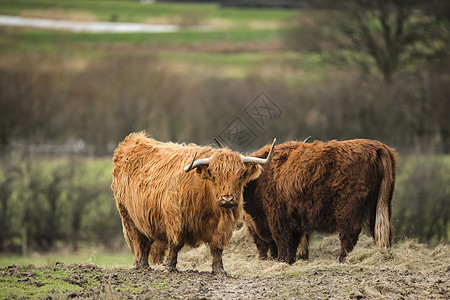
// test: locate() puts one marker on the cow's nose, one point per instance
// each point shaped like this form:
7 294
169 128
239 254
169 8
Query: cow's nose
227 198
227 201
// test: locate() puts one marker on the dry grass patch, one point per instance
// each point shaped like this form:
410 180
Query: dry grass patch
266 25
241 258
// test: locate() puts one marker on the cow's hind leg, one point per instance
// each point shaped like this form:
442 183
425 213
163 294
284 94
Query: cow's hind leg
304 246
282 251
293 241
287 239
138 243
350 220
157 252
172 257
348 236
287 246
281 233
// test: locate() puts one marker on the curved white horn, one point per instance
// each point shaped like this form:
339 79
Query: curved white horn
196 163
261 161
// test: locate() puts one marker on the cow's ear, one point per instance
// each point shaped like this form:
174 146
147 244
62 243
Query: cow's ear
199 170
204 172
252 172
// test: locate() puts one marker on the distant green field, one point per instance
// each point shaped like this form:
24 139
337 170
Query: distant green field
230 37
134 11
33 39
23 42
230 25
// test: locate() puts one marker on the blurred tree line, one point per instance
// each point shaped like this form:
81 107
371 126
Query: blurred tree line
51 204
116 95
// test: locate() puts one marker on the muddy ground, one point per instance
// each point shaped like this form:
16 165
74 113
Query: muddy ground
407 271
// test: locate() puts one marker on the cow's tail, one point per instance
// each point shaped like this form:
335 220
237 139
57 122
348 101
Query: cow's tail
383 231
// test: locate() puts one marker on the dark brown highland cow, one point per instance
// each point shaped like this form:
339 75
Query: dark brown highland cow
326 187
167 197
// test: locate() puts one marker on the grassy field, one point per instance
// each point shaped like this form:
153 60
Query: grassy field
134 11
31 39
245 38
236 52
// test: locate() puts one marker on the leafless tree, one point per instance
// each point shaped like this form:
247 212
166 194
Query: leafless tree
390 35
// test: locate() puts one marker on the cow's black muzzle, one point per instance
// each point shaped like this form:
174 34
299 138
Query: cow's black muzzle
227 201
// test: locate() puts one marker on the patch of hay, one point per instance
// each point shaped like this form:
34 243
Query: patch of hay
241 257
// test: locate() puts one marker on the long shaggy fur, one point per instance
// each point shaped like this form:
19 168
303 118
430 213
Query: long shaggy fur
160 202
327 187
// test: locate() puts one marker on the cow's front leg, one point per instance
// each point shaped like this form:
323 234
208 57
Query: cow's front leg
172 256
217 265
273 250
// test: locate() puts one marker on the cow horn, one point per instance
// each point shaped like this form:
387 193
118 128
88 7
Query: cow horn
307 139
196 163
218 142
261 161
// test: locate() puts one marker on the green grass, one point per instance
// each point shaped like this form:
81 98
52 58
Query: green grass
15 289
88 257
36 284
32 40
180 37
68 281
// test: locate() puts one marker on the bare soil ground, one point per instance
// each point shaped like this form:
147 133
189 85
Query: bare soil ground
407 271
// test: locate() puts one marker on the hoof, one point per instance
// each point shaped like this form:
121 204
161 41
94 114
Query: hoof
219 272
142 265
171 270
304 257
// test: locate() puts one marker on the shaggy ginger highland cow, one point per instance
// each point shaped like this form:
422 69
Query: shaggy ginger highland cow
161 199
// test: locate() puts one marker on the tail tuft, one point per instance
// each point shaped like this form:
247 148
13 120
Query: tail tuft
383 231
